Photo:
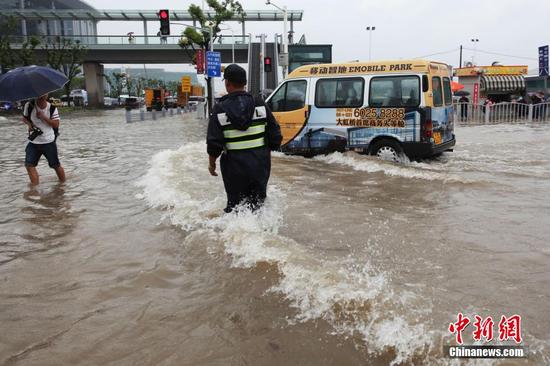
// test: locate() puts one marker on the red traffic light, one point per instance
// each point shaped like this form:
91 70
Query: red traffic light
267 64
164 17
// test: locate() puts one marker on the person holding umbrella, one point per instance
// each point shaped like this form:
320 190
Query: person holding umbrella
35 82
43 121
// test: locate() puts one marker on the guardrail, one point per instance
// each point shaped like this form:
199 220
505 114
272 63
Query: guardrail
132 39
468 113
135 115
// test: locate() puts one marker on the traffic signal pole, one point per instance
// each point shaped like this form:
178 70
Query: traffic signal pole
210 81
262 66
211 27
285 41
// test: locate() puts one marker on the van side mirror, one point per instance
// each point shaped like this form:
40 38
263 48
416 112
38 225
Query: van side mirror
425 83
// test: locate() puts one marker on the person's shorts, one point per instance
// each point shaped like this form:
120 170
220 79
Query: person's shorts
33 152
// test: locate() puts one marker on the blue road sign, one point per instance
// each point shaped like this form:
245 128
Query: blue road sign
543 61
213 64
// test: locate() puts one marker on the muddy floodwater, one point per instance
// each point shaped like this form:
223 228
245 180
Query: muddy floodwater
352 261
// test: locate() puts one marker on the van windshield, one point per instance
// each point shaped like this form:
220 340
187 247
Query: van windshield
289 97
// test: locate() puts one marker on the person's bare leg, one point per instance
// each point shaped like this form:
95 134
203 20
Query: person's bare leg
33 175
60 173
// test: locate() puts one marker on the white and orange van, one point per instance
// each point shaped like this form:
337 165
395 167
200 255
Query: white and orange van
386 108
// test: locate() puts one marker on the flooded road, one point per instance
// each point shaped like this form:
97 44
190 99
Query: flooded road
352 261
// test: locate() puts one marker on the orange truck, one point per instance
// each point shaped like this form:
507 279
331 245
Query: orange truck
196 94
154 98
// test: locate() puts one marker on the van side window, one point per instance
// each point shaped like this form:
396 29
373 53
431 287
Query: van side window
447 91
394 91
290 97
436 90
343 92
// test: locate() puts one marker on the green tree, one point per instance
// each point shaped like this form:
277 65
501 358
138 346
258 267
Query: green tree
10 57
8 27
66 56
172 87
110 81
129 84
152 83
192 38
118 81
140 84
79 82
26 53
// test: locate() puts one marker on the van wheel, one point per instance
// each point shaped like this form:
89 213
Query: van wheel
389 150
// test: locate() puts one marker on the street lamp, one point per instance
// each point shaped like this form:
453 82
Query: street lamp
475 42
370 29
232 43
285 35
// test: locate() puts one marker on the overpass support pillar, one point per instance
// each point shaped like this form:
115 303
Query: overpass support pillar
93 77
145 32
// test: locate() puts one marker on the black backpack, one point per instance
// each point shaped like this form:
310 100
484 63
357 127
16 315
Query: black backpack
52 111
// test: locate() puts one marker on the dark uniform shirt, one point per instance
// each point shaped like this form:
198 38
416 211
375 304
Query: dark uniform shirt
236 131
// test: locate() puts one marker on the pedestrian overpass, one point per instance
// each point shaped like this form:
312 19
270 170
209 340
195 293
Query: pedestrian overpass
147 49
132 49
123 49
143 15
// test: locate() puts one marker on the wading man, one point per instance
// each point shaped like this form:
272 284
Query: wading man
43 122
243 131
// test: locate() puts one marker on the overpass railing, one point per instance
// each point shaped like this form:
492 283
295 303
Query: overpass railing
468 113
131 39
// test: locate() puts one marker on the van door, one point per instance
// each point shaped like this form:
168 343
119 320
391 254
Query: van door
288 104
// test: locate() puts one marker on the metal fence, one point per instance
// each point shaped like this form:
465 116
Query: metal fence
469 113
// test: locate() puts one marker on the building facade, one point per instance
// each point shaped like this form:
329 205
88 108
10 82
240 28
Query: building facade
81 29
499 83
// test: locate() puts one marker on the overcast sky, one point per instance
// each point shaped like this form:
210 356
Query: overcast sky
404 28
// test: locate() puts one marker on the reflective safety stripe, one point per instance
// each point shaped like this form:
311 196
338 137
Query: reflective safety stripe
242 145
253 130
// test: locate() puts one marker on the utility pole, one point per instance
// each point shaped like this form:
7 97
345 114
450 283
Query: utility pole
460 62
284 59
262 69
285 41
370 29
475 41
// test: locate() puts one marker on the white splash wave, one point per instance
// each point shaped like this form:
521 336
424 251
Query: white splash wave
404 169
354 297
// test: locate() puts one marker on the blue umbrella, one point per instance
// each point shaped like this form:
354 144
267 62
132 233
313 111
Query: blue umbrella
29 82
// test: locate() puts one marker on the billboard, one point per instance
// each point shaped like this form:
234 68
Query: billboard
200 61
186 84
543 60
492 70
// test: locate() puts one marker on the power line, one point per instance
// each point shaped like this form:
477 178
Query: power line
438 53
501 54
